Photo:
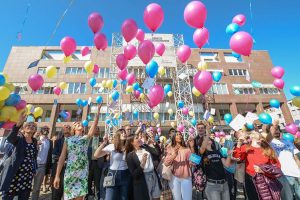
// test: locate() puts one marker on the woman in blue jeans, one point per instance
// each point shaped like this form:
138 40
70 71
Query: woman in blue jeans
118 166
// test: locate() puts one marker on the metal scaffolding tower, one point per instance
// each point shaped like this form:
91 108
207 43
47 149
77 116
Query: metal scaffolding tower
114 107
182 89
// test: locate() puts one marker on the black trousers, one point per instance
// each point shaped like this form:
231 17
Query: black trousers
94 179
250 188
57 194
232 186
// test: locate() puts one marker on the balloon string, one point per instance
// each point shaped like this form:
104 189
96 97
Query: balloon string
251 16
19 34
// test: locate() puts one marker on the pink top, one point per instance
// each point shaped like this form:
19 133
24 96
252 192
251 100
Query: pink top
181 166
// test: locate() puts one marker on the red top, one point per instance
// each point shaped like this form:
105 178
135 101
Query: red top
253 156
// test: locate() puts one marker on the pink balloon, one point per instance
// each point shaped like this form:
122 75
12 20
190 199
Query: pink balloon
183 53
35 81
203 81
222 134
140 35
129 29
217 134
100 41
298 134
68 115
180 127
146 51
159 130
200 37
121 61
96 69
291 128
68 45
130 51
241 43
160 49
239 19
130 78
156 94
277 72
195 14
85 51
95 22
185 111
150 105
136 93
153 16
122 74
57 90
191 130
22 104
8 125
279 83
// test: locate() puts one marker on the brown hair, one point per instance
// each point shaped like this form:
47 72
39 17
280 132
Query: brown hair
73 127
117 141
128 145
173 142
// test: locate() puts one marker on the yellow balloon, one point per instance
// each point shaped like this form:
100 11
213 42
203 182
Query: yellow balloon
16 116
104 83
142 96
63 85
296 101
5 76
163 139
67 59
109 84
161 71
129 89
116 115
38 111
88 66
202 66
110 97
7 112
10 86
4 93
211 119
30 109
170 111
51 71
244 128
196 92
173 124
191 113
156 116
2 103
170 93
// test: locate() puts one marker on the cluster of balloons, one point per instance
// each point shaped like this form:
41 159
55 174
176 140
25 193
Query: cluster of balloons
295 91
96 23
168 90
277 73
81 103
65 115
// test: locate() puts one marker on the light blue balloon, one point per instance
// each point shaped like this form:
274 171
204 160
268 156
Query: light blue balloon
115 95
123 82
78 102
136 86
236 55
228 118
93 82
224 151
135 114
84 103
288 137
232 29
115 83
217 76
107 121
115 122
152 69
63 114
85 123
250 126
2 79
99 99
193 122
13 99
295 90
140 90
167 88
265 118
274 103
180 104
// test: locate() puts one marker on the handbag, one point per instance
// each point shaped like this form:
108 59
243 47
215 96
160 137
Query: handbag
109 179
167 172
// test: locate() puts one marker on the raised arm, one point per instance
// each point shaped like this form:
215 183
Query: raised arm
94 125
204 144
13 135
99 151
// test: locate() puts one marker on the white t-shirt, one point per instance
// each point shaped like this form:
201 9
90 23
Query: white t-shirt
149 164
285 151
117 160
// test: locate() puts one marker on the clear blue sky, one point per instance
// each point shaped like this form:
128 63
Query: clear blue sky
276 24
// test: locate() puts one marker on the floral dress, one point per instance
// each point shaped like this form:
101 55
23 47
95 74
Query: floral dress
23 179
76 174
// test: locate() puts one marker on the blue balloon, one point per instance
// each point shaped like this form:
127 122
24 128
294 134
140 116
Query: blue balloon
63 114
152 69
2 79
250 126
85 123
288 137
115 83
140 90
194 122
167 88
115 95
217 76
13 99
93 82
274 103
180 104
224 151
124 82
78 102
236 55
107 121
228 118
89 118
84 103
295 90
265 118
115 122
99 99
232 29
135 114
136 86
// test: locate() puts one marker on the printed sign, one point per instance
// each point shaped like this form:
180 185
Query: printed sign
238 122
195 158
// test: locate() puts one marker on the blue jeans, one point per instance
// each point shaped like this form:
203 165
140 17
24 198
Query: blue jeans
295 185
23 195
120 190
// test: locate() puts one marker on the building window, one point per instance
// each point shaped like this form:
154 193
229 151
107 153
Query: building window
45 90
238 72
243 90
21 88
47 115
77 56
230 58
75 88
219 88
75 70
104 73
53 55
269 91
209 57
222 112
99 90
42 70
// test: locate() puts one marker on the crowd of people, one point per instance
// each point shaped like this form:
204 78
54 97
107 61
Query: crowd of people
141 165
